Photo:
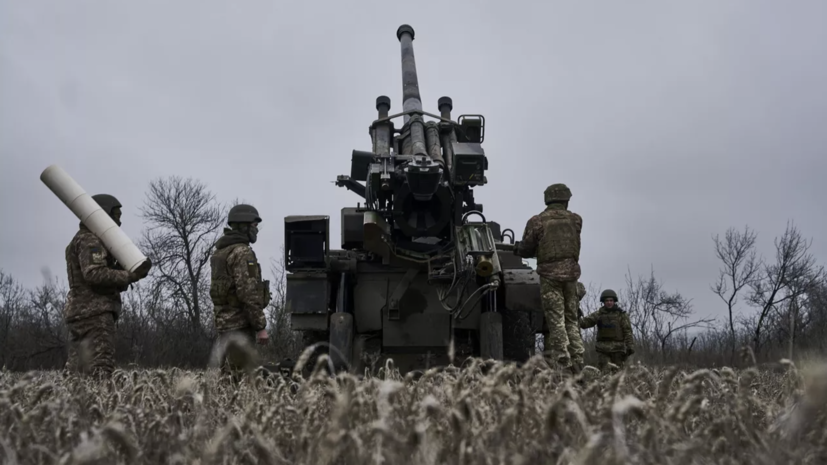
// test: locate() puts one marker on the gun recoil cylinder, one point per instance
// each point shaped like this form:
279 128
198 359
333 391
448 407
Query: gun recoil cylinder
445 105
447 135
383 105
382 132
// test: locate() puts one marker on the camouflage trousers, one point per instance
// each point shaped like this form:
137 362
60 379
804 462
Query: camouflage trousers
92 345
603 359
563 343
237 352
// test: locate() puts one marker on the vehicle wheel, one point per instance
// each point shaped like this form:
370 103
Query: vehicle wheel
518 336
310 338
491 335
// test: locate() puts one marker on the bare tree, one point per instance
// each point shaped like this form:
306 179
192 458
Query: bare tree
12 305
284 341
793 272
184 223
47 303
816 309
658 315
795 322
740 269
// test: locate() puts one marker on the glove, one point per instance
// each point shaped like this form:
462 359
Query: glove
142 271
579 312
517 248
630 351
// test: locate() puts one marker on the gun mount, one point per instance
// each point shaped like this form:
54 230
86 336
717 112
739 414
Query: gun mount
414 274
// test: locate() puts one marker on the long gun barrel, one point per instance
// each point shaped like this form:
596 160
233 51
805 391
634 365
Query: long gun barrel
410 84
410 90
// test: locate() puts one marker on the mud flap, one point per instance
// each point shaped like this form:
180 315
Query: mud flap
341 341
491 336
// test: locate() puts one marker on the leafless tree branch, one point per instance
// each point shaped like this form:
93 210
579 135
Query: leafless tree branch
657 315
740 269
184 222
793 272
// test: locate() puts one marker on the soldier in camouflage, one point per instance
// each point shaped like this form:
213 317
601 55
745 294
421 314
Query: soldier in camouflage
553 237
238 293
615 341
93 304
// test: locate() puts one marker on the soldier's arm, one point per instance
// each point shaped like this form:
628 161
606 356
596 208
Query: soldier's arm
92 256
244 268
527 247
578 221
119 267
581 291
628 335
588 321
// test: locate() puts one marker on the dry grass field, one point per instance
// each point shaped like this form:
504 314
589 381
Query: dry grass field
478 413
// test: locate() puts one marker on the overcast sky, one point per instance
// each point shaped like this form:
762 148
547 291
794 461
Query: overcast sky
670 121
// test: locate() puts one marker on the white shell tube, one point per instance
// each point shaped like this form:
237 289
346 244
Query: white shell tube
93 216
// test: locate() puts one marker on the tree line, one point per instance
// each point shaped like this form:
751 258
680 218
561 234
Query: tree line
775 306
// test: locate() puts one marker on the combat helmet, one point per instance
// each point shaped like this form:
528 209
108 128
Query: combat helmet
243 213
107 202
557 193
608 293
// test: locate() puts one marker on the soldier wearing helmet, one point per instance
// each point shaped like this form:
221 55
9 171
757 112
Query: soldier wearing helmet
238 293
93 304
615 341
553 237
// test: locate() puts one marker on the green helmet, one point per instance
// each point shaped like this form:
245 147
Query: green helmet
107 202
557 193
243 213
608 293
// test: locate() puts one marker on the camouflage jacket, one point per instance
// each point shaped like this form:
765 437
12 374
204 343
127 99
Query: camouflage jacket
238 293
553 237
614 329
96 280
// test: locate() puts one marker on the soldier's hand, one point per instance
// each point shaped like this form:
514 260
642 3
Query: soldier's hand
262 337
142 271
516 248
630 351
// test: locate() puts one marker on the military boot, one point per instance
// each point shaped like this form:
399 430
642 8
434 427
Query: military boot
563 364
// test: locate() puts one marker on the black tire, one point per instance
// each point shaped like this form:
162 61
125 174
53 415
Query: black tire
518 336
308 339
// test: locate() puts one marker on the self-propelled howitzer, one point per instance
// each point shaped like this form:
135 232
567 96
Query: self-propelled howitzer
415 276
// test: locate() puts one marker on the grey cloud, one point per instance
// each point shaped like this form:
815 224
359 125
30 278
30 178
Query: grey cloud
670 122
